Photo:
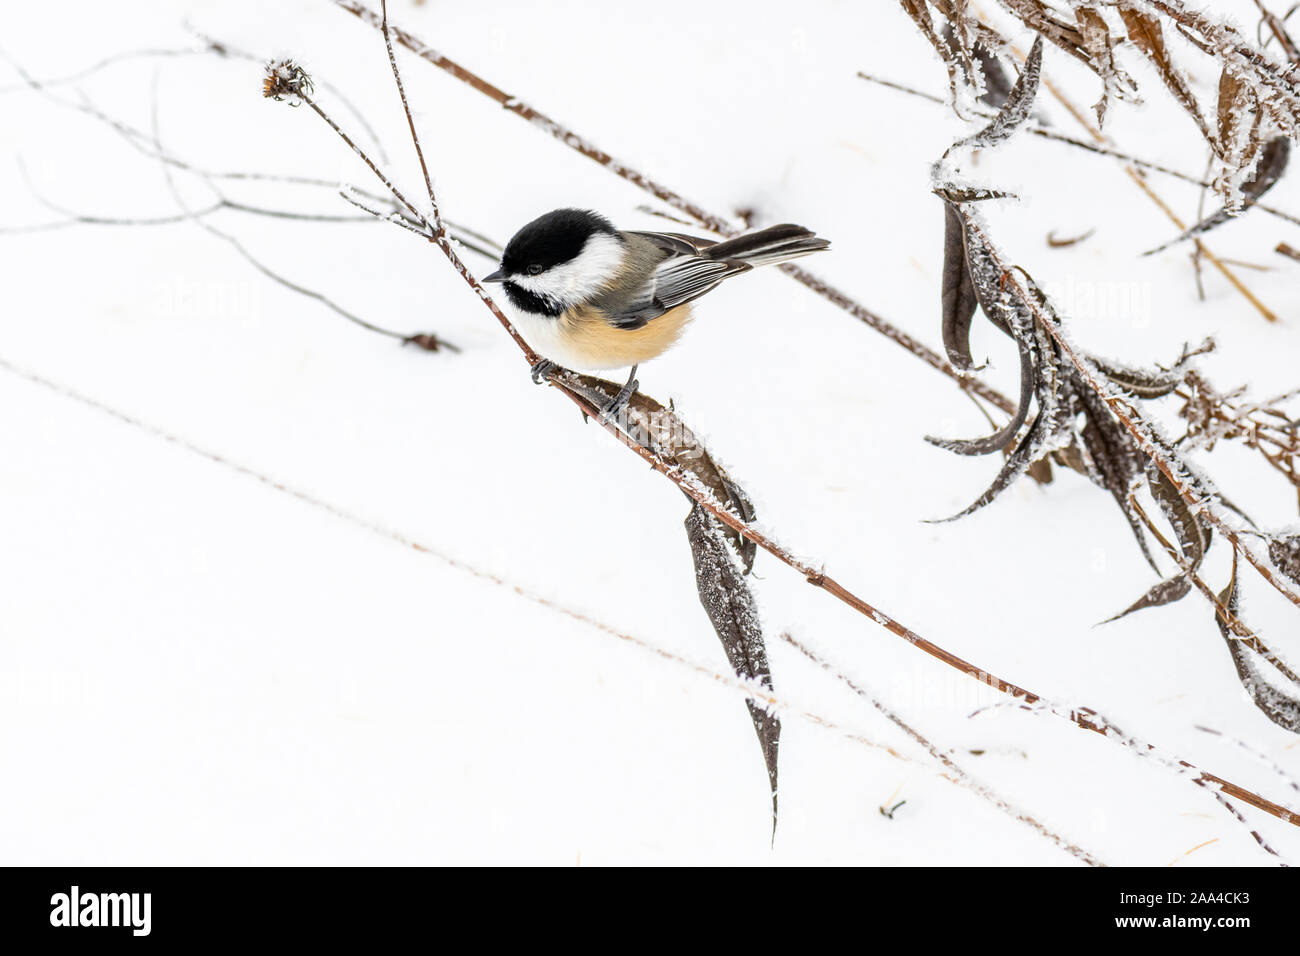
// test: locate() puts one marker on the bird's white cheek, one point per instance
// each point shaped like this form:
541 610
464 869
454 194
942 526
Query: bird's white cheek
582 277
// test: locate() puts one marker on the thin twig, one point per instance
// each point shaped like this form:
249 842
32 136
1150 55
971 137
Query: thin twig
432 343
1261 757
441 233
960 775
1044 132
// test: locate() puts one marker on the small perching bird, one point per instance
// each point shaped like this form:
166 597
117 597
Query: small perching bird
587 295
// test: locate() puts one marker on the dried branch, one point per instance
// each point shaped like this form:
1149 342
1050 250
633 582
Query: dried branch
1262 426
1086 413
1251 85
150 147
1277 27
1251 81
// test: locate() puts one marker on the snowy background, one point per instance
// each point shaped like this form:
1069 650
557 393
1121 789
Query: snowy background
274 589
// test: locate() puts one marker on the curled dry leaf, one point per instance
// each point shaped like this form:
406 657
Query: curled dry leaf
729 603
1100 46
1277 705
1193 534
429 342
722 557
1273 159
1253 83
1163 592
957 292
1040 382
1014 112
1047 23
1054 242
1112 460
1143 383
1237 139
1146 33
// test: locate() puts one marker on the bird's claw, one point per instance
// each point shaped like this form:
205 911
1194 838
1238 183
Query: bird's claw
543 368
614 407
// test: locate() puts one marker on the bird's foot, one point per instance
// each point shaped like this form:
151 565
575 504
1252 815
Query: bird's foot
541 369
614 407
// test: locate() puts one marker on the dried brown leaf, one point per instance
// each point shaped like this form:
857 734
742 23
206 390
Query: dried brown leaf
1037 16
1100 47
1163 592
1146 33
724 592
1144 383
1193 535
1016 109
1055 242
1273 160
957 292
1113 461
1278 706
1230 114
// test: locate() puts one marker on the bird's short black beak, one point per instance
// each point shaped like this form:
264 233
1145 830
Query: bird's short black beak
497 276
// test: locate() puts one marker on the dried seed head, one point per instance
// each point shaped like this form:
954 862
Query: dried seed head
285 78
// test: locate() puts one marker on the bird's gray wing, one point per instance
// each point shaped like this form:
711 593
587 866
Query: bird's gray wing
688 277
675 281
676 243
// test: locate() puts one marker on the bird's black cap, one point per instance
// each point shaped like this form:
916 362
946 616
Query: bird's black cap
553 238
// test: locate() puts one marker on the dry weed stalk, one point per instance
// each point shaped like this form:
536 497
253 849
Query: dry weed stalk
1241 180
955 772
1264 426
1259 97
1258 109
1087 413
222 202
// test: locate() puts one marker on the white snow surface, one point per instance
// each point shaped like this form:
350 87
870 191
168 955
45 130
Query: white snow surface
274 589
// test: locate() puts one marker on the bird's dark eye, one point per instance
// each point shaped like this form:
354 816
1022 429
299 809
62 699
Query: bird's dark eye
534 270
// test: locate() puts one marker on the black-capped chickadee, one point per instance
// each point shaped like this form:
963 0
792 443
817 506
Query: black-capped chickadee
587 295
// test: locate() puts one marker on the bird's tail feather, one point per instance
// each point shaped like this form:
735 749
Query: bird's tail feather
770 245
